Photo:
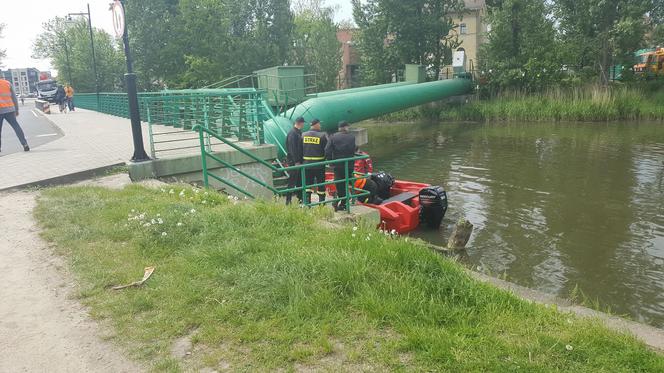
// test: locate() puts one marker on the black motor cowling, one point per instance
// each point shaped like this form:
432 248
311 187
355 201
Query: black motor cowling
384 182
433 205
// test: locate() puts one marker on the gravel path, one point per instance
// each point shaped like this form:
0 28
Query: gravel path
42 329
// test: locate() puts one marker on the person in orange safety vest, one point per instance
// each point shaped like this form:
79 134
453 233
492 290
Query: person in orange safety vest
363 171
9 111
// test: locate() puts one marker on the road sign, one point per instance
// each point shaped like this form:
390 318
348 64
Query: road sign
118 18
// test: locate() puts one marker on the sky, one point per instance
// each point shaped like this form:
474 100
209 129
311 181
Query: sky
24 19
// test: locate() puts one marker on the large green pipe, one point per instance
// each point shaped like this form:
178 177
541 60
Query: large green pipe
358 106
358 89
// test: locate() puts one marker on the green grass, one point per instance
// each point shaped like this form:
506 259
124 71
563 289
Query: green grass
262 286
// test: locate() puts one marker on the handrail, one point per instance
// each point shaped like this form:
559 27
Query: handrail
303 188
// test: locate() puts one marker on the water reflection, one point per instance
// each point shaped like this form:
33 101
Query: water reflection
554 206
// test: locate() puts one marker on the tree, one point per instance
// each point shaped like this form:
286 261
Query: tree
315 43
598 31
395 32
521 51
3 52
67 45
195 43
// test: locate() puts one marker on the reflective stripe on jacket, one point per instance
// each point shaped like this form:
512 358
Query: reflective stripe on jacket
313 146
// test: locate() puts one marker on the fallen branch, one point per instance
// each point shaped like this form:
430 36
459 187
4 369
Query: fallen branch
146 275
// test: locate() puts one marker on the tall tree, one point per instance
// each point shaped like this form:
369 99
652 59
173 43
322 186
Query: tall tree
395 32
67 45
598 31
521 51
315 43
156 37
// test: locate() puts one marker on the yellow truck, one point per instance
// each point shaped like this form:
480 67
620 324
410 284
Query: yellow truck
651 63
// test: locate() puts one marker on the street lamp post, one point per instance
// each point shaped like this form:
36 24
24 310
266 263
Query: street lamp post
92 45
130 81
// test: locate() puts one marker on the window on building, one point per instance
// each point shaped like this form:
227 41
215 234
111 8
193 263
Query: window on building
463 29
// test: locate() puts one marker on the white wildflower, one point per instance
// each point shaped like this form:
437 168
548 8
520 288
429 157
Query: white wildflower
163 190
354 229
146 225
179 224
141 216
196 191
204 202
367 239
160 221
158 215
171 191
164 234
393 231
229 197
153 221
569 347
205 194
193 211
181 193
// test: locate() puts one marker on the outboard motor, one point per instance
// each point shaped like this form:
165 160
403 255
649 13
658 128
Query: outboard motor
384 182
433 205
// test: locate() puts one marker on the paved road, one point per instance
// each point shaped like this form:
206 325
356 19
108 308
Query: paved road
38 130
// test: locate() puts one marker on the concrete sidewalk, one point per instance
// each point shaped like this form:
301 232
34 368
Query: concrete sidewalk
91 141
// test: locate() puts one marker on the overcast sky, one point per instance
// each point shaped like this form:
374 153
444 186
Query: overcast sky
24 18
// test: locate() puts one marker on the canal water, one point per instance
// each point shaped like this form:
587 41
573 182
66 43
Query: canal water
561 208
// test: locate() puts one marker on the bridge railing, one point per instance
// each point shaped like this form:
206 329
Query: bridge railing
236 114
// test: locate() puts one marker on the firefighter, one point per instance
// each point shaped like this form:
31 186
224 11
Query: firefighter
341 145
314 142
363 171
294 157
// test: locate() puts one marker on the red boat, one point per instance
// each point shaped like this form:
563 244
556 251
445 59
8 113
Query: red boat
409 203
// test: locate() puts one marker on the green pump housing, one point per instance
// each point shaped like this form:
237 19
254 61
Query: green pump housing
354 105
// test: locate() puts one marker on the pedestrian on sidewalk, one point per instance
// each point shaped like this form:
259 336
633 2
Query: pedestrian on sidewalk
9 111
69 91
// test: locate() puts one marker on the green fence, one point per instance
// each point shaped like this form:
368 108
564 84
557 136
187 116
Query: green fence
348 181
233 113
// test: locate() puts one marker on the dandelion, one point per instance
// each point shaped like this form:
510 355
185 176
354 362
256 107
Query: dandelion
179 224
164 234
569 347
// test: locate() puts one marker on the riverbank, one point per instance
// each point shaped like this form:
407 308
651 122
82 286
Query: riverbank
260 286
590 104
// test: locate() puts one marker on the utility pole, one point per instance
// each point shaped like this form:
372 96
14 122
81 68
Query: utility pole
92 46
130 81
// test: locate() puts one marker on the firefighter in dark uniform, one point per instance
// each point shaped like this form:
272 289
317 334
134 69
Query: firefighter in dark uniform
341 145
294 157
313 147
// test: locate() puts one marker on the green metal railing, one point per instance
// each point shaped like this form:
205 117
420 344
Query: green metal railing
232 113
348 181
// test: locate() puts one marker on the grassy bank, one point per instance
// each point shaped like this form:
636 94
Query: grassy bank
260 286
590 104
